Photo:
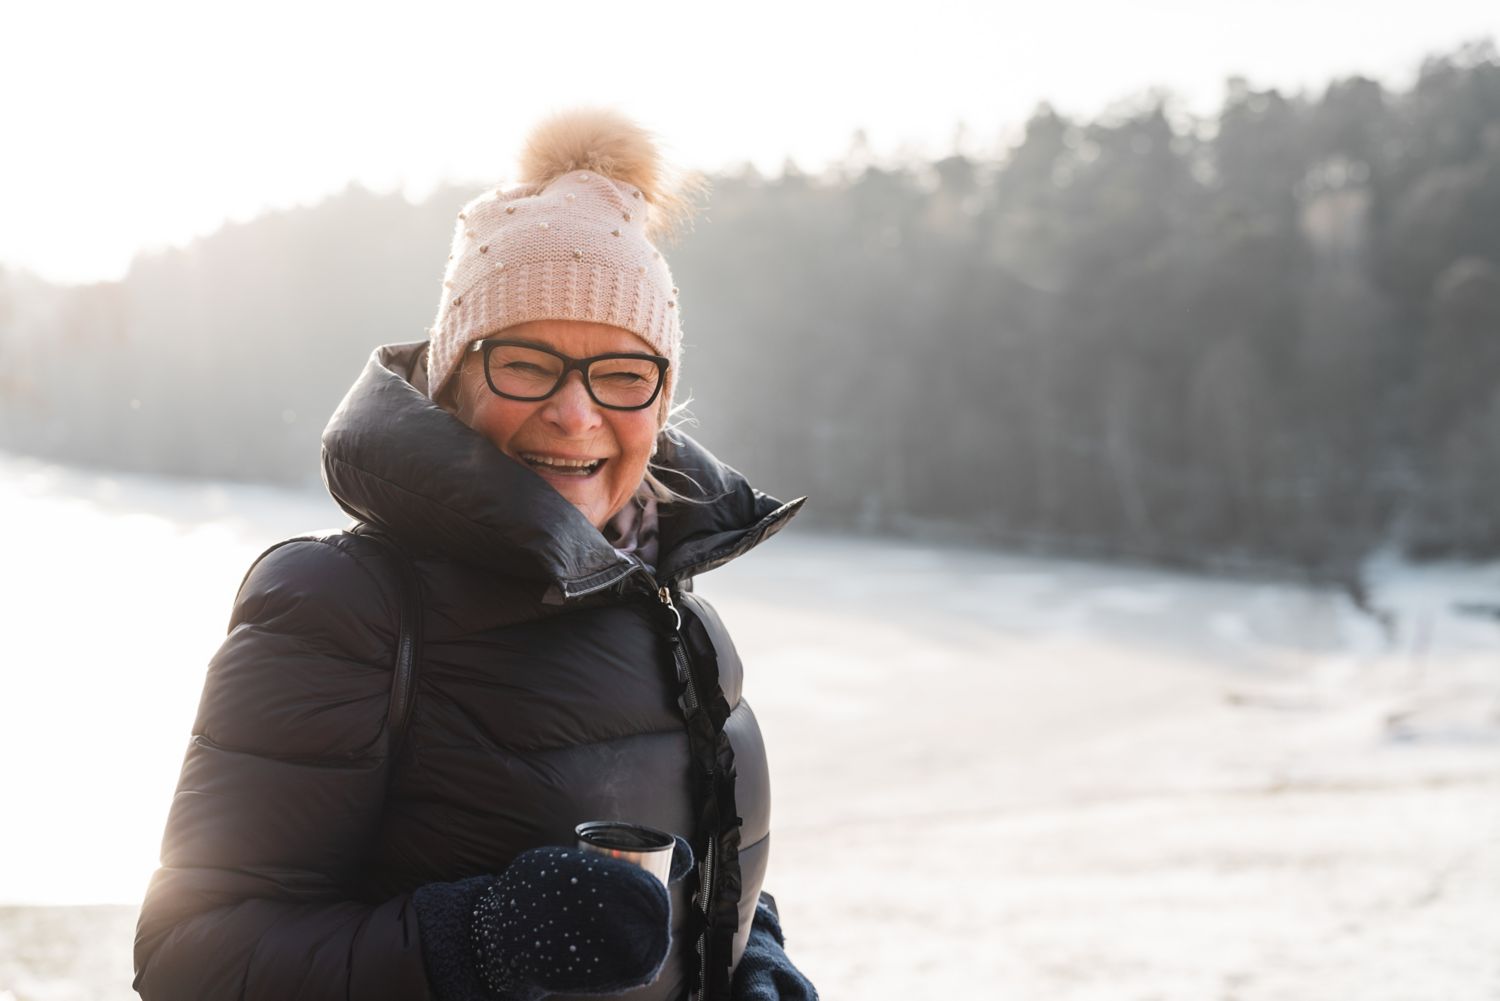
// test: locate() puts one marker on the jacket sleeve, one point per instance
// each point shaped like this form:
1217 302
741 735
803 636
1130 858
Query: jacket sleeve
280 794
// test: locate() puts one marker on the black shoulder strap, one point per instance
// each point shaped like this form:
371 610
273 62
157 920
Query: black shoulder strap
408 637
408 627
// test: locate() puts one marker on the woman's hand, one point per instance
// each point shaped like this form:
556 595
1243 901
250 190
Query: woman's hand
561 921
765 973
556 921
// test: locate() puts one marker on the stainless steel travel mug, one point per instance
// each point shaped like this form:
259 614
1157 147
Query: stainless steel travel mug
643 846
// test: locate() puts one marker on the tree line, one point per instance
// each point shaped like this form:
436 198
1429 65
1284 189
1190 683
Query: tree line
1269 336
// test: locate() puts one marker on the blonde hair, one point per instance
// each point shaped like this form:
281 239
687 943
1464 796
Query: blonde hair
651 483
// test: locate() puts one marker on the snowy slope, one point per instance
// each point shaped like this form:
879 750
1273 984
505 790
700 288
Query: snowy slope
995 776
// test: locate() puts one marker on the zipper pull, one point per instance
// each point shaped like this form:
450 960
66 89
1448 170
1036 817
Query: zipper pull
664 595
679 658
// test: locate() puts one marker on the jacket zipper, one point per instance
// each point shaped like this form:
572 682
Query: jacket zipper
706 868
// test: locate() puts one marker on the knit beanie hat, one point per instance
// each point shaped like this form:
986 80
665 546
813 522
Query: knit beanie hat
572 241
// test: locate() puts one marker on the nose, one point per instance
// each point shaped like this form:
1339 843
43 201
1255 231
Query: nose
571 409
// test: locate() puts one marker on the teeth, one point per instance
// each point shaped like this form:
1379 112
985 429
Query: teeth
541 460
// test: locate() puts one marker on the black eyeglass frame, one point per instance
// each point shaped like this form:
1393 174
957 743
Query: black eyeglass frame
488 345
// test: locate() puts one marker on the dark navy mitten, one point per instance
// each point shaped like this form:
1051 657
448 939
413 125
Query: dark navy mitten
556 921
764 972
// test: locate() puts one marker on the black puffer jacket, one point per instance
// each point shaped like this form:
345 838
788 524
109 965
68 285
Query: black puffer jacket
547 694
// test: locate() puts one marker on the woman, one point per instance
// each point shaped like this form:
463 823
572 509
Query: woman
520 459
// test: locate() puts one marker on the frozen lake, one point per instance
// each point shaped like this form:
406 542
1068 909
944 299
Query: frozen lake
995 776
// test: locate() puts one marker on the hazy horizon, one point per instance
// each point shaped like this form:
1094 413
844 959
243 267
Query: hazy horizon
160 126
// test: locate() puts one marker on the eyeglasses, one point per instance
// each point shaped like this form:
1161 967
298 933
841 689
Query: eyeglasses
518 370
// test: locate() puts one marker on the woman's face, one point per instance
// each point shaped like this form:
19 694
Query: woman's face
568 424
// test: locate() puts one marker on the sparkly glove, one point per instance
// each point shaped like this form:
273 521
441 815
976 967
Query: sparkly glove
556 921
764 972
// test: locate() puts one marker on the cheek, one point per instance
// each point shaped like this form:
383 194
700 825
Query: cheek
641 435
634 436
496 418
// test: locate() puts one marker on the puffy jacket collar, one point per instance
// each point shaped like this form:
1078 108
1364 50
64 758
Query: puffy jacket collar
395 459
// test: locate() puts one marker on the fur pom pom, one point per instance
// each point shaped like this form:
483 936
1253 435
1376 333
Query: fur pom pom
607 142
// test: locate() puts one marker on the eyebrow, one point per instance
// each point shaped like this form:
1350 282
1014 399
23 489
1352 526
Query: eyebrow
479 342
524 340
529 342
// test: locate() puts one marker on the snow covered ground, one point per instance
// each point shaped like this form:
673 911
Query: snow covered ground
995 776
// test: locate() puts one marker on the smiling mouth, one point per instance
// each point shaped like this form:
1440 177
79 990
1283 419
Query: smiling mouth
579 468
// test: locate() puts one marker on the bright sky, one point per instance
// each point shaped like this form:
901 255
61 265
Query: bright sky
131 125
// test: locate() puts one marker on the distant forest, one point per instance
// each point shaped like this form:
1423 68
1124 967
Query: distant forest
1266 338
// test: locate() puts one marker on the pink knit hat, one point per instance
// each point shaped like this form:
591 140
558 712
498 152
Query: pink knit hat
572 241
